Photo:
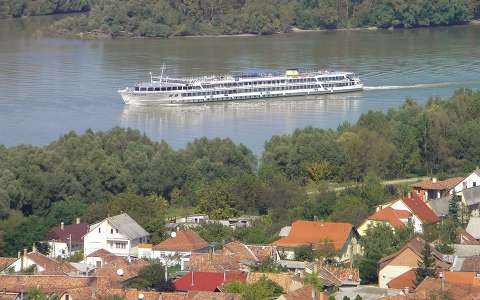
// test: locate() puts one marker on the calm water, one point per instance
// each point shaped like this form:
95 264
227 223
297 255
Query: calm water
50 86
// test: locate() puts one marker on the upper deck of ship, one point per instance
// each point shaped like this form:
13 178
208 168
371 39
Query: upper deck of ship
239 77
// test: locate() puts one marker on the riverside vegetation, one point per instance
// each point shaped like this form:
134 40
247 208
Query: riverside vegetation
163 18
96 174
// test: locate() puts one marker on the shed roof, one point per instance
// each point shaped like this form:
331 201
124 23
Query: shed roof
438 185
207 281
439 206
473 227
471 196
184 240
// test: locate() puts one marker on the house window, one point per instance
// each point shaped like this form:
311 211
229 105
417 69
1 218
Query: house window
120 245
111 231
116 230
67 297
99 230
474 184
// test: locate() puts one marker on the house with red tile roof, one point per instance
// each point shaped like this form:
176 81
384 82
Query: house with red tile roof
40 264
434 189
343 237
65 240
406 259
334 276
6 262
234 256
420 211
388 215
178 248
307 292
207 281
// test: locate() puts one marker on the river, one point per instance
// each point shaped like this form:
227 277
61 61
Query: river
49 86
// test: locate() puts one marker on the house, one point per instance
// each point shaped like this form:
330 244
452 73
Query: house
207 281
471 199
421 213
473 227
334 276
394 218
434 189
234 256
237 222
440 288
288 281
466 264
178 248
306 292
98 258
117 234
365 292
342 237
470 181
404 260
189 221
39 264
64 240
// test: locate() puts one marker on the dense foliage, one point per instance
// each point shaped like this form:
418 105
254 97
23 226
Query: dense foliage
412 140
162 18
152 277
262 289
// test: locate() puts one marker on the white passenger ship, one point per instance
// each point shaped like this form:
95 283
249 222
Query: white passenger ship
239 86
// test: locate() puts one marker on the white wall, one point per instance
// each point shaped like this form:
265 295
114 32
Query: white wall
27 263
390 272
172 258
417 223
58 249
470 181
104 236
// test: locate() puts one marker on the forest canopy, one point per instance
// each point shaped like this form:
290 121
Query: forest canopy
163 18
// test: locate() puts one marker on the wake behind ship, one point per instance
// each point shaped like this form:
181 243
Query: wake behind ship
239 86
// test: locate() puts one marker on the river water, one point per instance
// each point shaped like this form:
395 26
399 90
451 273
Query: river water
49 86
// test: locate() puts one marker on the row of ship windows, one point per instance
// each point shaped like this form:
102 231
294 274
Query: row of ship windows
280 88
179 88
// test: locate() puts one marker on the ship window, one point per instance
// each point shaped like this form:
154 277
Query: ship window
164 89
150 89
136 88
157 89
143 89
174 88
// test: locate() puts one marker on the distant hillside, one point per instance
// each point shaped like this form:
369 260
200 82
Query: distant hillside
163 18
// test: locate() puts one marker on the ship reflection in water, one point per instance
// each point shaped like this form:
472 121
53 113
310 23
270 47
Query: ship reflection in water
248 122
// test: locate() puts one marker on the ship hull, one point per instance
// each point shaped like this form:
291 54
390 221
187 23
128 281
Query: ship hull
136 98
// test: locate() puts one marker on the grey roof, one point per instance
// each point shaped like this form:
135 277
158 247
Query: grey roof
473 227
439 206
466 250
366 292
292 264
285 231
127 226
471 195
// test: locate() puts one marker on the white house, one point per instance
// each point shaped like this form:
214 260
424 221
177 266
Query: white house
421 213
179 248
117 234
472 180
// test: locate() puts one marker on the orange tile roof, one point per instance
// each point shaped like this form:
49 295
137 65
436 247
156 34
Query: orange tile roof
6 261
391 216
306 293
468 278
421 209
185 240
239 250
100 253
49 283
143 245
263 252
50 265
288 281
314 232
439 185
406 280
212 262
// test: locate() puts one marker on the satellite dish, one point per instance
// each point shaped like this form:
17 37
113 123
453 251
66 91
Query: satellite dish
141 296
173 234
120 272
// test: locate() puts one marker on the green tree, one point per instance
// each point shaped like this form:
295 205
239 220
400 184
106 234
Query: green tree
313 280
453 213
152 276
426 266
262 289
305 253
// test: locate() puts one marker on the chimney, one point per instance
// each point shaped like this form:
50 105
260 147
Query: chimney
224 276
19 254
77 221
193 282
62 225
24 259
314 296
34 248
434 179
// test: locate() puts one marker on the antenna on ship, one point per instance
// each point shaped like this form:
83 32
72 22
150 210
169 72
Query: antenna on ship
151 78
161 75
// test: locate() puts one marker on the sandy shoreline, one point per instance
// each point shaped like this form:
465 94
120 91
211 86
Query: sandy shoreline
100 35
